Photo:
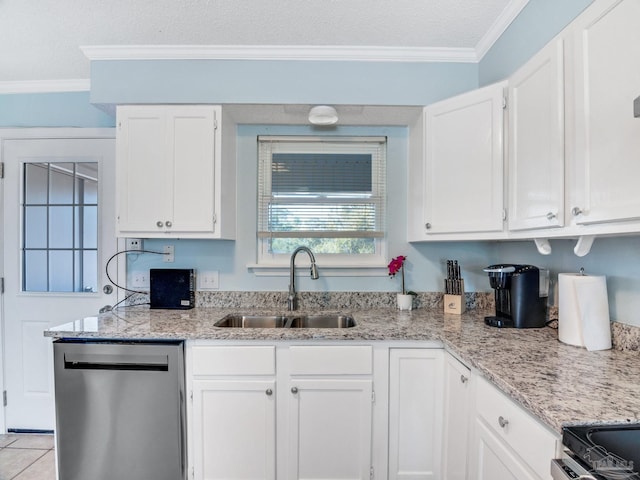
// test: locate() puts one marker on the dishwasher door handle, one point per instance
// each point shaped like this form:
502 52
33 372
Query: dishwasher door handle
142 363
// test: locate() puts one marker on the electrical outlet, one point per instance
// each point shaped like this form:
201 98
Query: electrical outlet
168 256
133 244
208 280
140 279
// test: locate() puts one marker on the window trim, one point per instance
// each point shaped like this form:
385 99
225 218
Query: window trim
332 264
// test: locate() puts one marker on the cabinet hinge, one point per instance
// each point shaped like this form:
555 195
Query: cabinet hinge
4 398
371 473
2 170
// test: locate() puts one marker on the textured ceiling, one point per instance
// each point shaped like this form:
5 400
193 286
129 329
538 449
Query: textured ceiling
40 40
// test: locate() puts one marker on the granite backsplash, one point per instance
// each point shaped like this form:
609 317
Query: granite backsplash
624 337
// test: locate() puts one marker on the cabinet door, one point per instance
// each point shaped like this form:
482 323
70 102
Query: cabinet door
494 460
606 81
330 429
234 429
415 421
536 141
192 137
143 188
464 163
457 402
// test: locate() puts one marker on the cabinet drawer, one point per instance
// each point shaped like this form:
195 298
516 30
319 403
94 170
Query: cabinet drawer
209 360
328 360
531 440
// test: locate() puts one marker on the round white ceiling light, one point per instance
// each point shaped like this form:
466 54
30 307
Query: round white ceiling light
323 115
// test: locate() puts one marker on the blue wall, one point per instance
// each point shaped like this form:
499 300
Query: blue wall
272 82
537 24
70 109
425 264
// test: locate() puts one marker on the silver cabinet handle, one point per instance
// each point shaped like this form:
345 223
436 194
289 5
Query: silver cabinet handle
168 224
551 216
427 226
463 379
269 392
294 390
503 422
159 224
575 211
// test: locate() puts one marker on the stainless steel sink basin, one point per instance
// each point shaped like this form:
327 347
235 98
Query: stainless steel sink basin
287 321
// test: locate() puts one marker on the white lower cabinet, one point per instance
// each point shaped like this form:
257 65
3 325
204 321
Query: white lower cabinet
456 418
232 419
353 412
329 411
508 443
415 406
234 429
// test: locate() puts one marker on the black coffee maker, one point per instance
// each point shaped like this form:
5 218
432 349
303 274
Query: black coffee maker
521 296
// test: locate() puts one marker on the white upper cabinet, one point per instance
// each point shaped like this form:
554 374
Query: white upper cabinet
170 173
462 175
536 141
605 167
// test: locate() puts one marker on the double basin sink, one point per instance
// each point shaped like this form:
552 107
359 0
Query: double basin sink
287 321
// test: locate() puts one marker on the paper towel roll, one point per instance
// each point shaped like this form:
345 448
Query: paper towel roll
583 311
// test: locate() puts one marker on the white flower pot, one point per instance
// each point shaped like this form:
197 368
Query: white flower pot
405 302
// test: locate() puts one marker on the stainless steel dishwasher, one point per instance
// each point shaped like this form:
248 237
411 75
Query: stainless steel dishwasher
120 410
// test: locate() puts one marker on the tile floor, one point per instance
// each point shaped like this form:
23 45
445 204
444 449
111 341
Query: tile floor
27 457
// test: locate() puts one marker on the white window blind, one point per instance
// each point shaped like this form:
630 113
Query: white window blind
322 187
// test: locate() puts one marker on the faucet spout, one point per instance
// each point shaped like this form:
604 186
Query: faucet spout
292 301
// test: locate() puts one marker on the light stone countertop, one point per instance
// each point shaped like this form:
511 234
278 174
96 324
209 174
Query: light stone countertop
558 383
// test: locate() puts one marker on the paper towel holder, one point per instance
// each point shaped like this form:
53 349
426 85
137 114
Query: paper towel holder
543 246
583 245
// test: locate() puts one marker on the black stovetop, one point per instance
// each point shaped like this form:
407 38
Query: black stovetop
610 451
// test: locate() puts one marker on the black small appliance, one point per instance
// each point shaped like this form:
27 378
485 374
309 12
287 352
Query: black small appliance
172 288
521 296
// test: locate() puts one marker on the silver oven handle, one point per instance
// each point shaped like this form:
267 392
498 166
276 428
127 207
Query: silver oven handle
561 471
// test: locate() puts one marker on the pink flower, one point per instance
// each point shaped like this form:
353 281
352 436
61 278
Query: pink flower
396 264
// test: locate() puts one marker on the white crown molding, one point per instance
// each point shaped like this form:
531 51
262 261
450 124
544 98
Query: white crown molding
45 86
501 24
279 52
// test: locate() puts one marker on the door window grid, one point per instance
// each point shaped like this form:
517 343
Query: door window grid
59 227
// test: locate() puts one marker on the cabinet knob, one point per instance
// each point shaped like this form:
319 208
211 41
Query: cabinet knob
269 392
503 422
463 379
427 226
551 216
159 224
168 224
294 390
575 211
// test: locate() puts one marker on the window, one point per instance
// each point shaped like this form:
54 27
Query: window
60 227
327 193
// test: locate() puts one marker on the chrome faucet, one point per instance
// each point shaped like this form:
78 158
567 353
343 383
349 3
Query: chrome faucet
292 301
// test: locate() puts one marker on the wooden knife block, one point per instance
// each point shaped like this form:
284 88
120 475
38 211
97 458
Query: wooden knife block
454 304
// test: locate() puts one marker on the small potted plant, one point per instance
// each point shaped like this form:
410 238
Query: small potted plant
404 299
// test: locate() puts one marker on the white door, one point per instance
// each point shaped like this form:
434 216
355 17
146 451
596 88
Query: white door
330 429
607 136
415 421
536 141
59 232
234 429
463 163
457 403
